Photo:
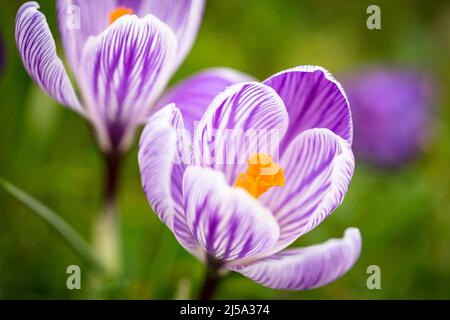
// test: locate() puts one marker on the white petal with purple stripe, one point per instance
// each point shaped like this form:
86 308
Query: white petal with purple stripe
193 95
157 151
183 16
78 20
163 150
124 69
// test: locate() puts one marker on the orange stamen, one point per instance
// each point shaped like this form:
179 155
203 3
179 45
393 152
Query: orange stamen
119 12
261 175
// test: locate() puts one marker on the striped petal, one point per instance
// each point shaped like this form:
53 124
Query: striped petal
227 222
38 51
193 95
313 99
124 69
243 120
183 16
158 151
307 268
318 167
2 54
392 110
78 20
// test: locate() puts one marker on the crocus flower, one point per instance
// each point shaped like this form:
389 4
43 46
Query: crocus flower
391 113
121 53
242 215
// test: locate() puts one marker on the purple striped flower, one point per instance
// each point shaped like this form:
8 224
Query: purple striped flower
244 214
121 53
391 113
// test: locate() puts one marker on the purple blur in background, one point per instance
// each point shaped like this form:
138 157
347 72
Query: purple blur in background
2 54
391 110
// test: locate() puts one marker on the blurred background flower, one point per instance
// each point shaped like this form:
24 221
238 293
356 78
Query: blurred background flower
392 112
285 197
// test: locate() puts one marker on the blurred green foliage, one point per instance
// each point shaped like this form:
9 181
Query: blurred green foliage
404 215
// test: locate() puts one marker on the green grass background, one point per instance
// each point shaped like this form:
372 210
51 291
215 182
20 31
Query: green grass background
404 214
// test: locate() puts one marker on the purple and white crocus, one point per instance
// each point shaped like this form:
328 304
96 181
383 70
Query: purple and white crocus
121 53
232 213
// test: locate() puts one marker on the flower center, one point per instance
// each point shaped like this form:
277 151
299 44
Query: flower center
261 175
119 12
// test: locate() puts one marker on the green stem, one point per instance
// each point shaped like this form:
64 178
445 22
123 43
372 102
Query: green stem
77 243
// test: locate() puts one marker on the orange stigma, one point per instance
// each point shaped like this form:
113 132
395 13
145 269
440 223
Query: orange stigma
261 175
119 12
